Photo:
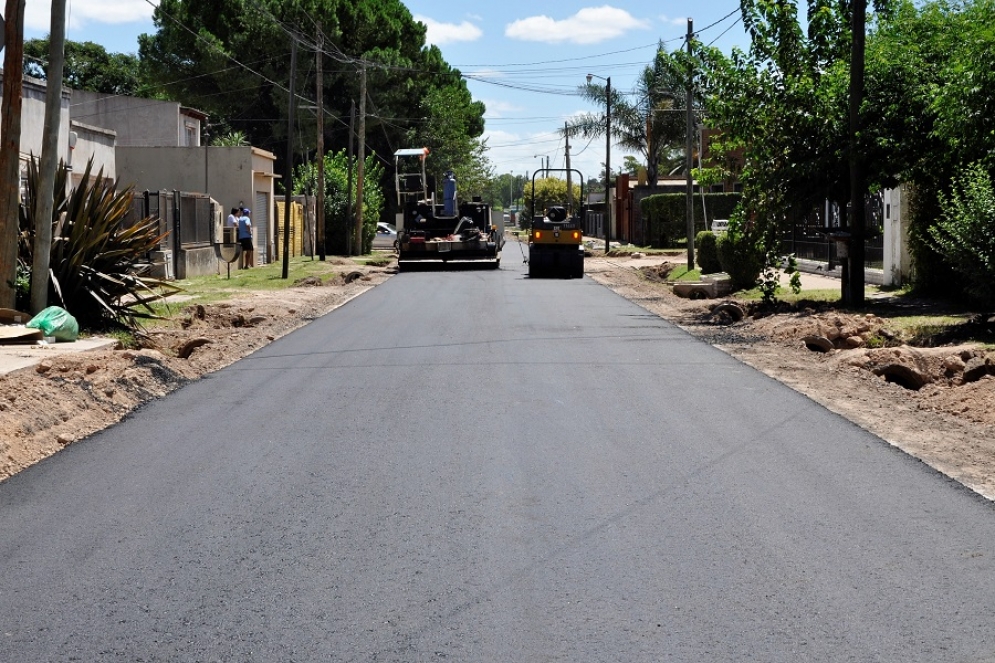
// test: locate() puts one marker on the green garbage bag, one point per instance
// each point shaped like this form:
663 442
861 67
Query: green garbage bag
56 321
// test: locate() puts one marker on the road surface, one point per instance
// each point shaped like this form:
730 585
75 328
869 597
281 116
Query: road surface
475 466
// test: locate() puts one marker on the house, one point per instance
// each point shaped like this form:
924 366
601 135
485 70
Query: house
235 176
159 150
140 122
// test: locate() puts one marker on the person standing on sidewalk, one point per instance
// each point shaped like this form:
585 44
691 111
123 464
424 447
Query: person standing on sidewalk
245 239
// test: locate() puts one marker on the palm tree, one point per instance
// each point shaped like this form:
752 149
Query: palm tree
653 124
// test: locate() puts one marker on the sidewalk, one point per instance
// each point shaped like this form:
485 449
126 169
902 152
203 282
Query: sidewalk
16 356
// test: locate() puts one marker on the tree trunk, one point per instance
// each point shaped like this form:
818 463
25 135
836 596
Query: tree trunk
45 195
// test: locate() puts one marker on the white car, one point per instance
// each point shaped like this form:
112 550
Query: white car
386 236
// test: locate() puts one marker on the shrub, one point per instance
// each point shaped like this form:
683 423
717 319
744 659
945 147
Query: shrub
707 252
739 257
98 265
964 236
666 214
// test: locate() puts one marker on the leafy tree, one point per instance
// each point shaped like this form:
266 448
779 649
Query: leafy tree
338 224
548 191
631 164
930 82
89 67
232 139
229 58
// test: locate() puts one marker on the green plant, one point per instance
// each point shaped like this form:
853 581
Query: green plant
741 257
22 288
231 139
964 237
98 263
707 252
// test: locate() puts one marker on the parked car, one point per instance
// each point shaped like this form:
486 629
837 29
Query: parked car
386 236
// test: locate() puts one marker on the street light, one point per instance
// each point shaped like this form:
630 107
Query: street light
608 154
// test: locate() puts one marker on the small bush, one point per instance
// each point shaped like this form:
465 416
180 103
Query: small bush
707 252
964 237
739 258
98 266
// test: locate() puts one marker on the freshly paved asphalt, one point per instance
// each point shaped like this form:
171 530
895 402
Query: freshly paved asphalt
474 466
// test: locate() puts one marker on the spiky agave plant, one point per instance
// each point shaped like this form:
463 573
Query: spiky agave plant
99 264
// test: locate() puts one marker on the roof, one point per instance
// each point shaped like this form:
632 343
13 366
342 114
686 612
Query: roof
412 152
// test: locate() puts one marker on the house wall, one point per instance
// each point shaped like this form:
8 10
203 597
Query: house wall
96 143
137 122
234 176
33 119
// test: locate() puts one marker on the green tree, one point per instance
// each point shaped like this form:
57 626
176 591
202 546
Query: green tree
930 82
338 224
229 58
89 67
548 191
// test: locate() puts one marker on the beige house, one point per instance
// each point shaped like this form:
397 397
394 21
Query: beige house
234 176
158 148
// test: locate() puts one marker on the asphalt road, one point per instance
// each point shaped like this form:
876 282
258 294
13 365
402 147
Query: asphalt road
473 466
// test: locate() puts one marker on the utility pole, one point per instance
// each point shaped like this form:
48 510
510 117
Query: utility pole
10 148
854 294
348 186
608 163
288 183
688 162
45 195
570 191
319 211
361 149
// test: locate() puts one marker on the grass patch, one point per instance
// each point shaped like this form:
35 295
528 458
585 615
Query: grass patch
682 273
214 288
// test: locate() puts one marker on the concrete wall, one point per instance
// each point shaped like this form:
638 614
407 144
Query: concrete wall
137 122
92 142
897 260
33 119
234 176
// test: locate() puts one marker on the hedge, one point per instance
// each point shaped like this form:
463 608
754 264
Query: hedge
665 214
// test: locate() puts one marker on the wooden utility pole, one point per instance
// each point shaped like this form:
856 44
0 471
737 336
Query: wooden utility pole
10 148
688 147
45 195
319 212
853 295
348 185
361 145
288 183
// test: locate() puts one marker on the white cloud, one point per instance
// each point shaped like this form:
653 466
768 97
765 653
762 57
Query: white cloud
497 108
588 26
79 13
444 33
670 20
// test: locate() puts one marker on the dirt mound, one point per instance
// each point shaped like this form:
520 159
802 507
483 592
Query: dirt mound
658 273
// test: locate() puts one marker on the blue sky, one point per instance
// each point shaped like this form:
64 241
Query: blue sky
524 63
